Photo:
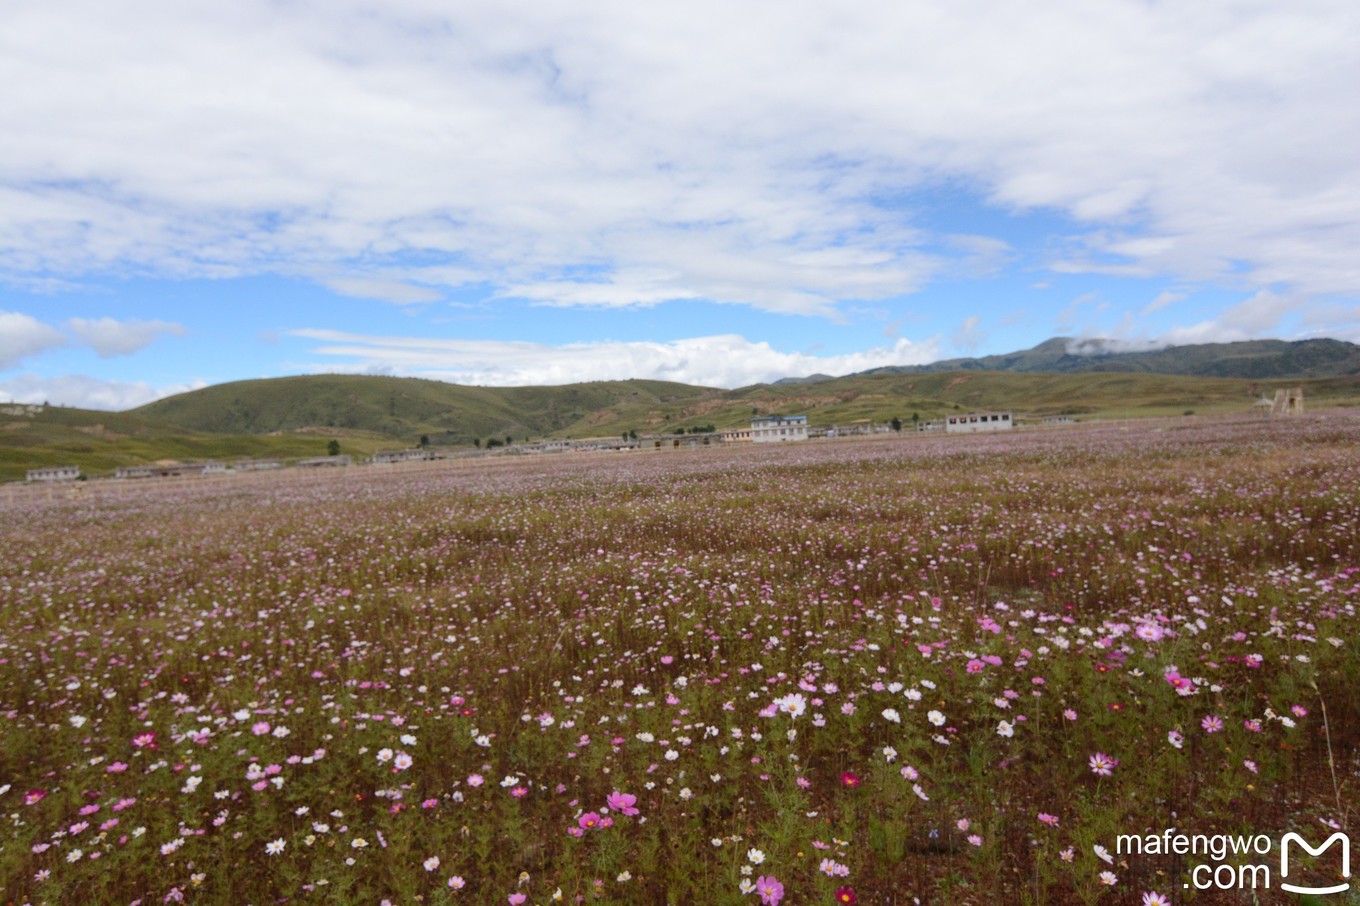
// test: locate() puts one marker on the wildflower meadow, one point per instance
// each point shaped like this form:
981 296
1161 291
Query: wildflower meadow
915 670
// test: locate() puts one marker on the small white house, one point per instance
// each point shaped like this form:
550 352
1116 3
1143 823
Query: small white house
976 422
55 473
391 456
779 428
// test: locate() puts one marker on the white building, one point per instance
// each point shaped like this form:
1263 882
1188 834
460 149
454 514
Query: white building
54 473
391 456
779 428
975 422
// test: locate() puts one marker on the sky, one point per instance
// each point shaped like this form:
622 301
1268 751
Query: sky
515 192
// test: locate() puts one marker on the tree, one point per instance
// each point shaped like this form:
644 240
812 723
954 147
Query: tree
424 440
333 448
897 424
632 435
915 419
509 440
477 442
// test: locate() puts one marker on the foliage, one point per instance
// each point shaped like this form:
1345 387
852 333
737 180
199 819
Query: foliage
947 670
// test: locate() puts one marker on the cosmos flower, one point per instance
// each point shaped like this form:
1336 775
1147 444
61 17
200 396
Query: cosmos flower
770 890
1103 765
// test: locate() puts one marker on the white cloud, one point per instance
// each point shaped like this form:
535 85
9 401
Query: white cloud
715 361
85 392
970 334
1164 298
618 153
110 338
384 290
23 336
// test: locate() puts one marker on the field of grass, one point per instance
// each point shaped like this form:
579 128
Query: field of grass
940 671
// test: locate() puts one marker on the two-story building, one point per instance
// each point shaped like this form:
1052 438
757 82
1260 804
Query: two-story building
779 428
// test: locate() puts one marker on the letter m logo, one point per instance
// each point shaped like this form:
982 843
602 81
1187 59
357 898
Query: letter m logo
1345 861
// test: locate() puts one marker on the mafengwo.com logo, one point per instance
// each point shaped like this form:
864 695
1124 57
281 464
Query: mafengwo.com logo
1241 862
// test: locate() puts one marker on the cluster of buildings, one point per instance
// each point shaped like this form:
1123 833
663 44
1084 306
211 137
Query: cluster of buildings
765 429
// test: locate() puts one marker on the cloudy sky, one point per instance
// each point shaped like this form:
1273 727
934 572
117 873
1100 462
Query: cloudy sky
525 191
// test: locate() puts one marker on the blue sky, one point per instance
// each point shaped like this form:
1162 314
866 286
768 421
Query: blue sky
527 192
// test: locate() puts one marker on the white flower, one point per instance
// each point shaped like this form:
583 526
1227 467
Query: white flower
385 755
77 721
431 864
891 715
407 739
793 704
1103 854
755 856
936 718
1005 729
275 847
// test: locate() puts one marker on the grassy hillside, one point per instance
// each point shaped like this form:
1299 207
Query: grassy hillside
405 408
880 397
100 442
290 418
1253 359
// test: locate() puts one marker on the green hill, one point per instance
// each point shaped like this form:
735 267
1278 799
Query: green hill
295 417
100 442
406 408
1260 359
881 397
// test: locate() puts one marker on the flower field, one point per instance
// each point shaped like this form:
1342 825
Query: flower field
934 670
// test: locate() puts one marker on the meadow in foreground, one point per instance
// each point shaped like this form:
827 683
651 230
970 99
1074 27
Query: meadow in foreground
938 670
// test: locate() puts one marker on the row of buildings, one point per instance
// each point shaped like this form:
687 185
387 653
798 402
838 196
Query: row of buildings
766 429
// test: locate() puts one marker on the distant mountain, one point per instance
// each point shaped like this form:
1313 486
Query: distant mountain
810 379
294 417
1252 359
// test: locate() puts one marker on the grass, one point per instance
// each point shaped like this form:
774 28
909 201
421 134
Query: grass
295 417
883 667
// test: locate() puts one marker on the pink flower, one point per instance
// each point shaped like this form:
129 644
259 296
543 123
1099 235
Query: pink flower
1181 684
261 729
33 797
516 898
589 821
623 803
1212 723
1050 820
770 890
1103 765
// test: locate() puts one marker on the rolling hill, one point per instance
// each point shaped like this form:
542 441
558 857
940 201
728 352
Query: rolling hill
1259 359
296 417
406 408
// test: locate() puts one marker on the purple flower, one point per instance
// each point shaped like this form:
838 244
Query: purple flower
623 803
1103 765
770 890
